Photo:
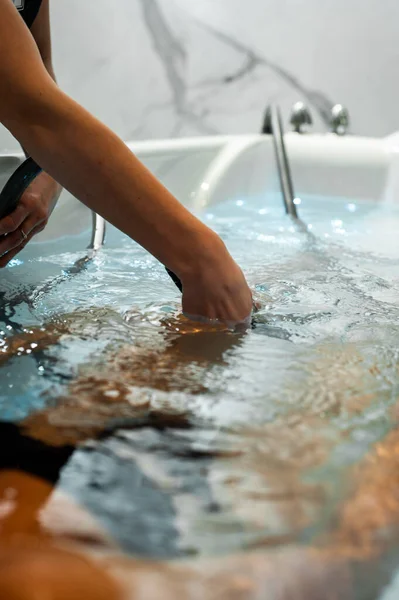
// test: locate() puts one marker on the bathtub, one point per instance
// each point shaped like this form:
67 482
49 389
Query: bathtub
202 173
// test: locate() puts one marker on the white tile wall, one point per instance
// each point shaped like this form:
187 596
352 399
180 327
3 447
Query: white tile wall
159 68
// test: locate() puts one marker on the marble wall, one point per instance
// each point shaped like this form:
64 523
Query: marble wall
161 68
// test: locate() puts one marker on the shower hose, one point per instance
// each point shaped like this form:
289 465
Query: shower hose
20 181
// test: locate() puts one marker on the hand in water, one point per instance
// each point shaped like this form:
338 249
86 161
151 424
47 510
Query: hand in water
218 291
29 218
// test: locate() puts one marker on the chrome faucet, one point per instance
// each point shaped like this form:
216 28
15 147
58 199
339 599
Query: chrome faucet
340 120
300 117
273 125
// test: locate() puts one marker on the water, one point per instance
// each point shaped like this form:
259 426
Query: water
218 442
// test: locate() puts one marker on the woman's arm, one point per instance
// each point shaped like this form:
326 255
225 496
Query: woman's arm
41 32
40 198
97 167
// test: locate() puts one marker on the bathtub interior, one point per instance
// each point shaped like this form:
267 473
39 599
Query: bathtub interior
324 348
207 171
202 172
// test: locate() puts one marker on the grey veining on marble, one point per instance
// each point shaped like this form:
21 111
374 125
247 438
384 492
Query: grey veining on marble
253 60
172 55
166 68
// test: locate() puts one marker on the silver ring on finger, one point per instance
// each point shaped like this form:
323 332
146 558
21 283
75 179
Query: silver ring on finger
23 234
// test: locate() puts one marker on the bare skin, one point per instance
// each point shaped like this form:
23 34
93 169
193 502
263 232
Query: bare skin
91 162
53 574
325 571
32 555
39 200
88 408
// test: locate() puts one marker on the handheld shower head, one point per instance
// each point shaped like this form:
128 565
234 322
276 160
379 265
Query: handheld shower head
16 185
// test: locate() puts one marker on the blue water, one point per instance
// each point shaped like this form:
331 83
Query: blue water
278 416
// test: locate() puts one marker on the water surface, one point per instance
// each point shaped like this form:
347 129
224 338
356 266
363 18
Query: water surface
216 442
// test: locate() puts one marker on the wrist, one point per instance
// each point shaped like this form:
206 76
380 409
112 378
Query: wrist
48 180
204 252
46 188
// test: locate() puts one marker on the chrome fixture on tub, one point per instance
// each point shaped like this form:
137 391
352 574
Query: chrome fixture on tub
300 118
340 120
98 231
273 125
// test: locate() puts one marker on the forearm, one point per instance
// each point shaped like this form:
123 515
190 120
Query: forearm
50 181
50 71
90 161
98 168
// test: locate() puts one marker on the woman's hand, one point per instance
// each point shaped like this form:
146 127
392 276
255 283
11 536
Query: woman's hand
29 218
217 289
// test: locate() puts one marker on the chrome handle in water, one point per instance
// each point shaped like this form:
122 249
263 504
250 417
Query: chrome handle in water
98 232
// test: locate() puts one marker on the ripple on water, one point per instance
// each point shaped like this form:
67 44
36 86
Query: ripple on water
229 440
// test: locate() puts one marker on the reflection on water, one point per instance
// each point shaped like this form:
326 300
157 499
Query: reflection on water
192 440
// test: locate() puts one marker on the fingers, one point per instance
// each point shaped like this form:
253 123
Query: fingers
29 217
29 212
13 221
34 221
10 241
4 260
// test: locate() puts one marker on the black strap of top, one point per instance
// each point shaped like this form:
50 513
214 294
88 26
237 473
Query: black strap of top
28 9
22 453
